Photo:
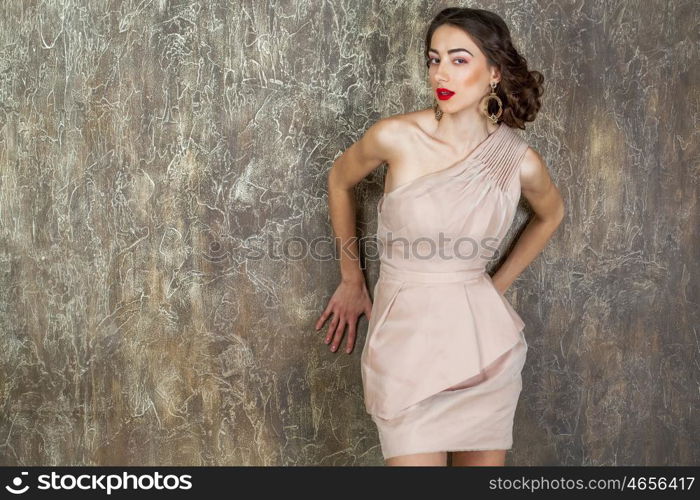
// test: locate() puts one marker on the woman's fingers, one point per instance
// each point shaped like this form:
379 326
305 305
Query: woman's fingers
332 327
338 335
322 319
351 336
343 307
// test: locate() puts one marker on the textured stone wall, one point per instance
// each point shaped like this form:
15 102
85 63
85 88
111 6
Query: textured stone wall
151 151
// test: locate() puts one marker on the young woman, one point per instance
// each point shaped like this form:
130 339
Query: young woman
441 366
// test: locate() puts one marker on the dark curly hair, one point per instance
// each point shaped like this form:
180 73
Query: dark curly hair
520 89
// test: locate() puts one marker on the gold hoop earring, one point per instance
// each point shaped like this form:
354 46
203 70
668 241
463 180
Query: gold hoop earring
438 111
485 104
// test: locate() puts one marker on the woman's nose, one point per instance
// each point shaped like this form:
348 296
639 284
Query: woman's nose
441 75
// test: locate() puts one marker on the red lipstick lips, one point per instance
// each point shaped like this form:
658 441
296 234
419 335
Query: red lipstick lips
443 94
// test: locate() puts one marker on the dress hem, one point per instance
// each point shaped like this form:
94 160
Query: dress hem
452 450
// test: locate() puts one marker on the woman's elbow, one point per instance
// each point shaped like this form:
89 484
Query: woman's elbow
337 180
560 212
552 217
332 179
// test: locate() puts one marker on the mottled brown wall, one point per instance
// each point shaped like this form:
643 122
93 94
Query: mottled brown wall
147 148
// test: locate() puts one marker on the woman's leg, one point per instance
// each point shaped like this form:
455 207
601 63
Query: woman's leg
438 459
478 457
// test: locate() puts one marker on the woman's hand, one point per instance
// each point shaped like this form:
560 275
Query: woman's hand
349 301
500 287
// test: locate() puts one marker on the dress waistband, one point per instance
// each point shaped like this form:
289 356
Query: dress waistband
431 277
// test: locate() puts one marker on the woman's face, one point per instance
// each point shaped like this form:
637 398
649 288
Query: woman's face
455 63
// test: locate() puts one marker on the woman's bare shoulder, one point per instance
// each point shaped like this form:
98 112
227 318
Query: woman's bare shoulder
398 131
421 118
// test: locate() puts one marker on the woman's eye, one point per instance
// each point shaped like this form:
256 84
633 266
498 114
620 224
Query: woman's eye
429 61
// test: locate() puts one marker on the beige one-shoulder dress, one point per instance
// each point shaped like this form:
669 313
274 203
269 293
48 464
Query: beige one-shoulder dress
441 365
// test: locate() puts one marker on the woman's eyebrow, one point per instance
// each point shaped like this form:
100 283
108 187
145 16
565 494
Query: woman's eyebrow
452 50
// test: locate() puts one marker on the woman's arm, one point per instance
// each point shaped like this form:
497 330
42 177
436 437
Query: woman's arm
544 198
368 153
351 298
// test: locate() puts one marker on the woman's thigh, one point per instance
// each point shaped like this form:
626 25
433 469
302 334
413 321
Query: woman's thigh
436 459
479 457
